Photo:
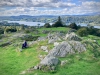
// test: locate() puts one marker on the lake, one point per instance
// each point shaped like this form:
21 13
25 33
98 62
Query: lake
41 24
27 23
36 23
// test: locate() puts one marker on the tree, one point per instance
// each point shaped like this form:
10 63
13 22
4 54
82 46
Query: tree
47 25
91 30
73 26
98 32
58 23
82 32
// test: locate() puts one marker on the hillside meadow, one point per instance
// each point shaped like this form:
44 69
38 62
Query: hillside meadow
14 62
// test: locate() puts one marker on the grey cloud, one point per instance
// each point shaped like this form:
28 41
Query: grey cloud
34 3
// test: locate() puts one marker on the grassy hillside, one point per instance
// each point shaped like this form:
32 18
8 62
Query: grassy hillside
14 62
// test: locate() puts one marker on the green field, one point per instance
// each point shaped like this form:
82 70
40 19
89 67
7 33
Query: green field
13 62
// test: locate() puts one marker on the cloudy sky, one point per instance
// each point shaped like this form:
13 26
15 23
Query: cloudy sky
49 7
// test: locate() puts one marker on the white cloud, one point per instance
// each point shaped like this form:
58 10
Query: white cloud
48 7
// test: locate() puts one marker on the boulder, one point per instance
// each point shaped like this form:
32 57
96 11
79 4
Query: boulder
72 36
48 64
50 61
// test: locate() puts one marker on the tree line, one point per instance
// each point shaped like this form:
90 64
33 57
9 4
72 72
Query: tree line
81 31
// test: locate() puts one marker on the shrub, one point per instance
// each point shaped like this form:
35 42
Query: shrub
47 25
73 26
82 32
11 30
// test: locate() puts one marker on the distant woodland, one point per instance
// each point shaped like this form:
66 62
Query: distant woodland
93 20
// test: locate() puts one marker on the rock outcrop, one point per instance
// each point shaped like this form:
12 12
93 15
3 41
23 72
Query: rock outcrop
72 36
53 37
71 45
65 48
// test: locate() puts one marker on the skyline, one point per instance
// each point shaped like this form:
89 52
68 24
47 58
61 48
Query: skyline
49 7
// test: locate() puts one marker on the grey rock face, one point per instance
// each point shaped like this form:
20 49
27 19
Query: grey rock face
53 38
72 36
77 46
67 48
61 50
50 61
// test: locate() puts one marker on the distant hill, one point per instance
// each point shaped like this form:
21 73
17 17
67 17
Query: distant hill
93 19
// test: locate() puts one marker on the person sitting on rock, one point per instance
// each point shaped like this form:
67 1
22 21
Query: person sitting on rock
24 45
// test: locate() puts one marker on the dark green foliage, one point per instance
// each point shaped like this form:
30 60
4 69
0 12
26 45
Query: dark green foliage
1 31
96 53
98 32
58 23
47 25
11 30
93 31
27 31
73 26
82 32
